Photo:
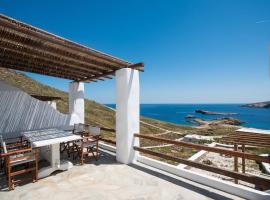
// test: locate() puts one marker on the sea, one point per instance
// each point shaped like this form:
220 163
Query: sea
176 113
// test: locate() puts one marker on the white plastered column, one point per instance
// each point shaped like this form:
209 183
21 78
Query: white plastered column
52 104
127 114
76 102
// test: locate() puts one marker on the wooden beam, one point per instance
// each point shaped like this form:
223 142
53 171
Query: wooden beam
137 66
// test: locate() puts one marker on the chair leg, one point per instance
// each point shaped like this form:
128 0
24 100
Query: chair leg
92 151
82 159
10 183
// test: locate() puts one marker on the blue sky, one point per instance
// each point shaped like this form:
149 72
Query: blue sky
194 51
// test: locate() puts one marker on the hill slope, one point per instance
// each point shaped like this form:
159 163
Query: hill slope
95 113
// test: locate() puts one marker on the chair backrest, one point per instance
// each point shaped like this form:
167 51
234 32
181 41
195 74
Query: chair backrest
3 144
94 130
78 128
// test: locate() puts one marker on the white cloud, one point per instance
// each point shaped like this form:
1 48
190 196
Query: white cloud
263 21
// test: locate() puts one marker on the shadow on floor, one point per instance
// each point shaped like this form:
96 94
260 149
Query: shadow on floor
178 182
104 159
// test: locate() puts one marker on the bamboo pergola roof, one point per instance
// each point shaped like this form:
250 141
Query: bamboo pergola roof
27 48
245 136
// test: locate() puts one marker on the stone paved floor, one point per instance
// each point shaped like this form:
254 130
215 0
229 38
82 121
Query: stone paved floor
107 179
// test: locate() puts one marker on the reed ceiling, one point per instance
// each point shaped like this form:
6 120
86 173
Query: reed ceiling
27 48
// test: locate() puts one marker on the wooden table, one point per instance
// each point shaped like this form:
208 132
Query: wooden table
49 141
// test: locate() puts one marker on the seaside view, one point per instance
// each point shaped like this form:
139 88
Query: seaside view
177 113
121 100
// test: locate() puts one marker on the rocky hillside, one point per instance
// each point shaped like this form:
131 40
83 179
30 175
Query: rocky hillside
96 114
265 104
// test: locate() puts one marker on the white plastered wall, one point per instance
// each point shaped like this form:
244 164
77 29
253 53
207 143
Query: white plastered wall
21 112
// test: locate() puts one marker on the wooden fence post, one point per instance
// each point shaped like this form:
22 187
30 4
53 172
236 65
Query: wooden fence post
243 160
236 162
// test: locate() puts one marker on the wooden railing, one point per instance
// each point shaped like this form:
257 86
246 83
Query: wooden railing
108 141
263 183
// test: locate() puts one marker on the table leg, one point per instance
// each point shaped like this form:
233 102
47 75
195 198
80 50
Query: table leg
56 164
55 156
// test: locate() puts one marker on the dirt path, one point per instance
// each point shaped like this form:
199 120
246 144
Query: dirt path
165 130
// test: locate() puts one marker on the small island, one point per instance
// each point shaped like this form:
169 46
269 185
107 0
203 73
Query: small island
225 121
205 112
265 104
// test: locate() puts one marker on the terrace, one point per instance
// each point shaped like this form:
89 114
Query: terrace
108 179
121 172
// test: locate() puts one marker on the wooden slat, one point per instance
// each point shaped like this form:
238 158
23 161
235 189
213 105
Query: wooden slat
247 142
23 171
25 65
43 61
244 177
46 52
60 42
258 137
207 148
33 70
32 155
15 152
252 135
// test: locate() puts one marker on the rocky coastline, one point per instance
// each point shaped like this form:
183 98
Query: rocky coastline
265 104
225 121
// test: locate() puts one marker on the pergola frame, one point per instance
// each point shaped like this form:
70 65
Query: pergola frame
27 48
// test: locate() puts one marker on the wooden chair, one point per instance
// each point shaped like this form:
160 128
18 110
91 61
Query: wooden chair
18 161
88 144
78 129
11 144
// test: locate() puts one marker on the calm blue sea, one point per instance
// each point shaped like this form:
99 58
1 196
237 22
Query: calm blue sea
175 113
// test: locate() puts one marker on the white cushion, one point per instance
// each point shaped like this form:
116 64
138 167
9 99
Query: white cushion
3 144
86 144
21 161
94 130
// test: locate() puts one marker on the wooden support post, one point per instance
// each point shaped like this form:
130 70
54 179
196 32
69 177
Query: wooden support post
236 162
243 160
